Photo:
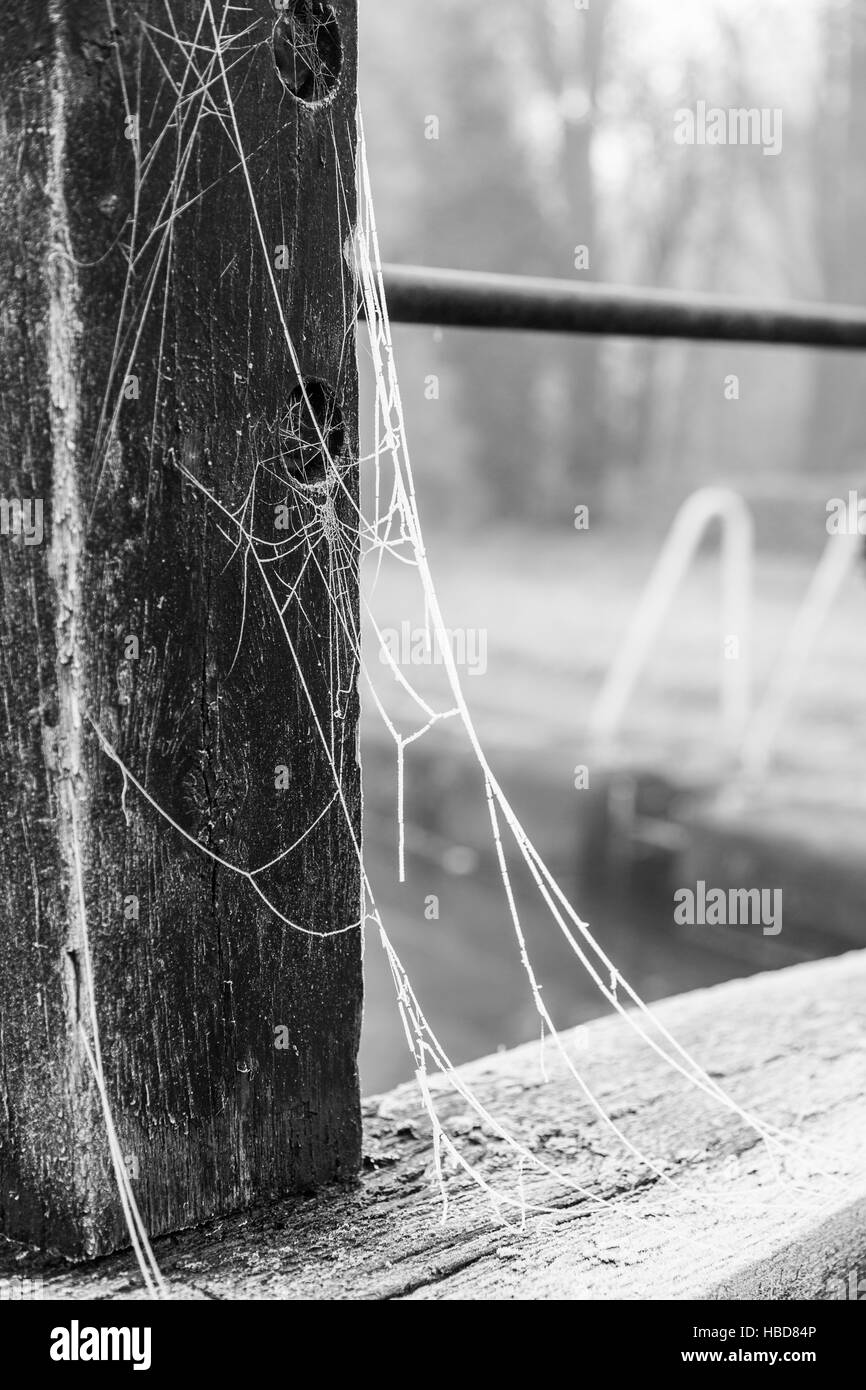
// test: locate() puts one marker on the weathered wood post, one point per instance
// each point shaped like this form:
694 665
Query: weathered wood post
177 189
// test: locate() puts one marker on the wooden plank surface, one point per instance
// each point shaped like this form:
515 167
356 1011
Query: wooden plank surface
142 337
790 1045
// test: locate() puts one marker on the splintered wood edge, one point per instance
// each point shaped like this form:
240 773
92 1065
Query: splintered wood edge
722 1221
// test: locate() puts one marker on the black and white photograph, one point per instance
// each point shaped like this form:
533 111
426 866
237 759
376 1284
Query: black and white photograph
432 671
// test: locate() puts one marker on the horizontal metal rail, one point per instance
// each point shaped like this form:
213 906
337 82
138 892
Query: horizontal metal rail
470 299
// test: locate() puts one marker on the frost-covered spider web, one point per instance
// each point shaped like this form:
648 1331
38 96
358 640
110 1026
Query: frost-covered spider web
326 524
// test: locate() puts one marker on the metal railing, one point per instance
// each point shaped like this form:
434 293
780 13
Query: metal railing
838 559
471 299
519 303
749 739
737 546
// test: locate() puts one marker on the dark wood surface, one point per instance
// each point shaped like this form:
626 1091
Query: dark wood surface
211 1115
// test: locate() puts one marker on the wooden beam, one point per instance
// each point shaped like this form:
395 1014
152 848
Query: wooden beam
172 203
791 1046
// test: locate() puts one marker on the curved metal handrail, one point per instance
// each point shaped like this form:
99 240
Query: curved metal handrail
737 547
837 560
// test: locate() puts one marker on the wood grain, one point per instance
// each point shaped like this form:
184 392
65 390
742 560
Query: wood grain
790 1045
190 990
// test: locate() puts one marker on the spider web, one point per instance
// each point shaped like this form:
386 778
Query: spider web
304 459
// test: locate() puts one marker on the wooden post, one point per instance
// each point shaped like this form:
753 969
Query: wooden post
176 185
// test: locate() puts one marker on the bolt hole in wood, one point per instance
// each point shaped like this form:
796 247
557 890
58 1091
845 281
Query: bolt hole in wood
308 52
305 425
